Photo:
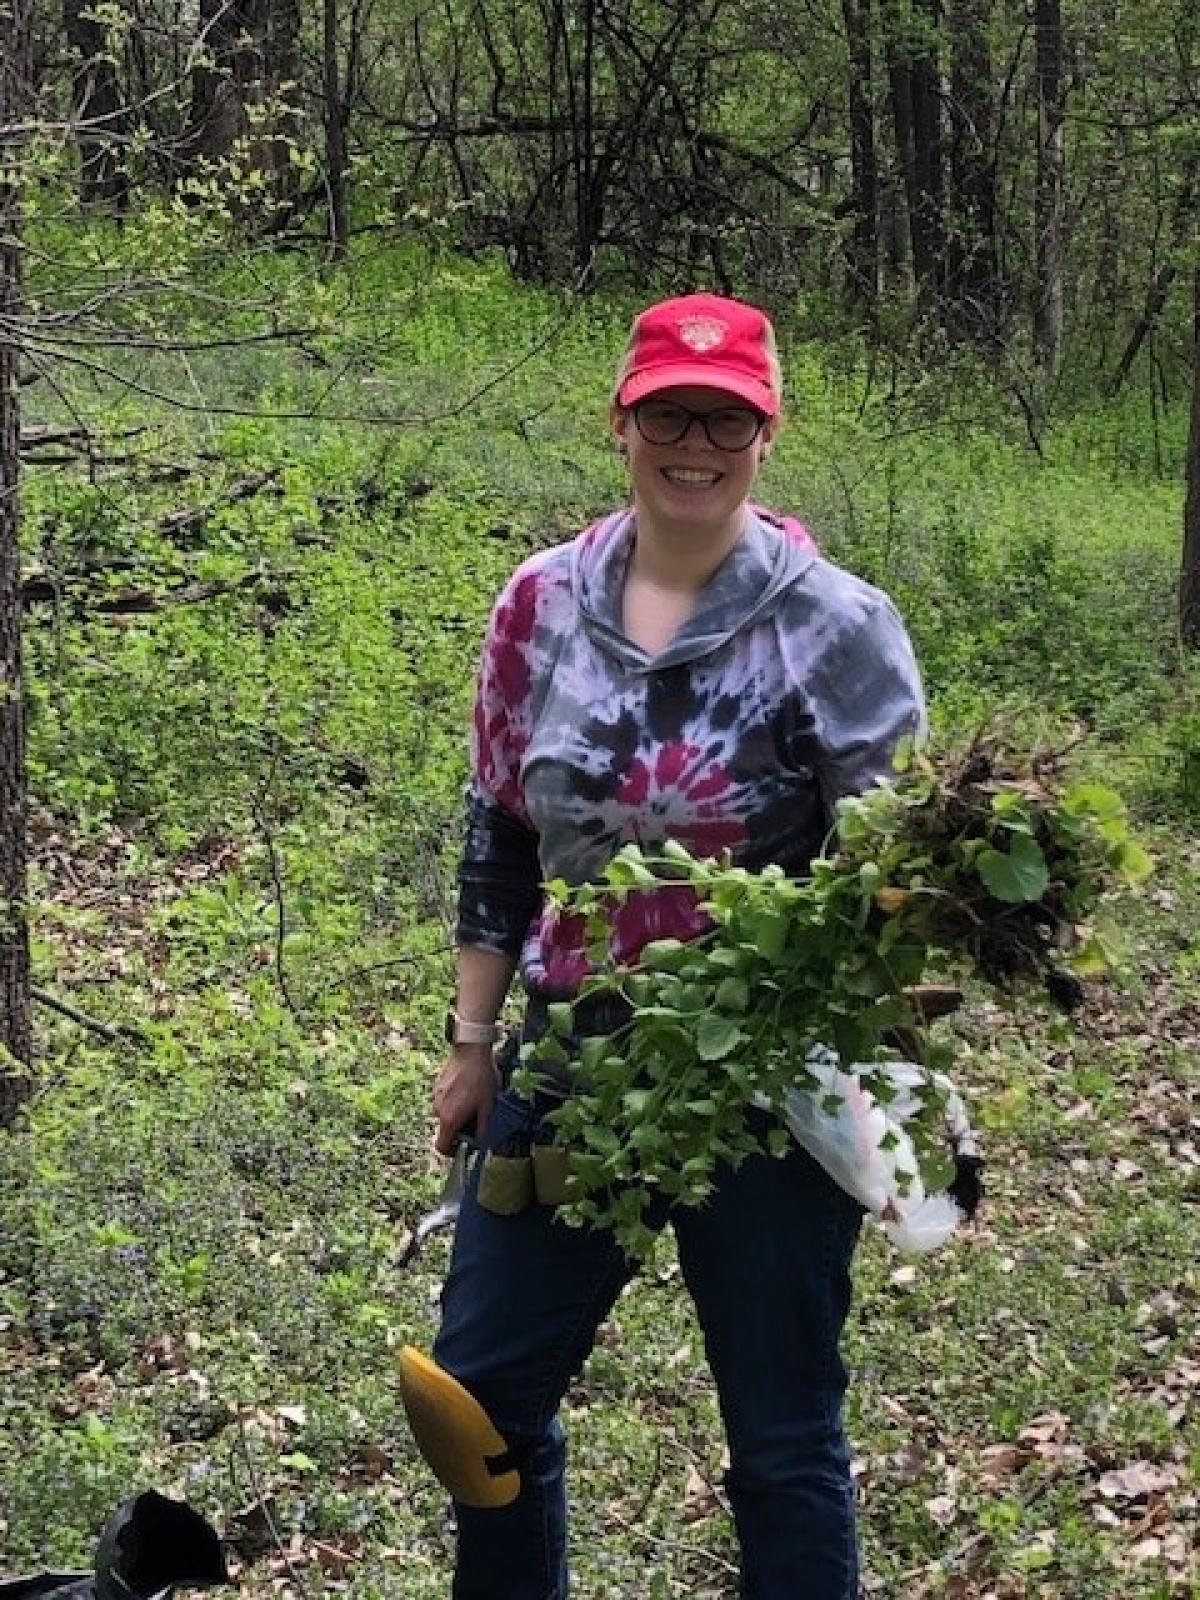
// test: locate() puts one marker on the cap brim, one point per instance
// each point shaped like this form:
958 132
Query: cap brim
651 379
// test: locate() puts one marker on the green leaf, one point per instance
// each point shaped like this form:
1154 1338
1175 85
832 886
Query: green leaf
1135 863
1017 876
717 1037
561 1016
902 755
726 959
630 872
769 931
1093 800
549 1050
1090 960
592 1051
866 979
733 994
673 851
1012 812
664 955
779 1141
1102 949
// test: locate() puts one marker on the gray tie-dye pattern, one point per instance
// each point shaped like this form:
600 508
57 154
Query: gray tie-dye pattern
788 687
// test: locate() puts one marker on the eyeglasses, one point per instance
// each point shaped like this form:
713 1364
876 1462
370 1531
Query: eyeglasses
727 428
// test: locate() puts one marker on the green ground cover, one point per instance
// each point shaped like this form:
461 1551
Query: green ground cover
199 1265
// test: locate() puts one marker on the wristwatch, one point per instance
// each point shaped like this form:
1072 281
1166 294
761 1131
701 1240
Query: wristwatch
460 1032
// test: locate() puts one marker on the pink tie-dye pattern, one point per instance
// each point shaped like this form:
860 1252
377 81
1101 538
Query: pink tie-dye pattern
791 527
669 913
563 959
681 766
502 702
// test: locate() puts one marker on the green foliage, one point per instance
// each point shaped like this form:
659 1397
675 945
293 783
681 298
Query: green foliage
972 859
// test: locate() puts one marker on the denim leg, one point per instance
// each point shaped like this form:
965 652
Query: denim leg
767 1263
521 1305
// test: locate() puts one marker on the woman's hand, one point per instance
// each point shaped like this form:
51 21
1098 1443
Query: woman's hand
464 1094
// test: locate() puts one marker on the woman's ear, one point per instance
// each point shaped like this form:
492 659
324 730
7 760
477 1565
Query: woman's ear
766 439
618 421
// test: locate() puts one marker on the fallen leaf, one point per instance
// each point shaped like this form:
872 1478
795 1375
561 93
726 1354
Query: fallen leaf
1138 1481
942 1509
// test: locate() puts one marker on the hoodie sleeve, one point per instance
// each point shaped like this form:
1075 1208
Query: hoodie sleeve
499 875
868 696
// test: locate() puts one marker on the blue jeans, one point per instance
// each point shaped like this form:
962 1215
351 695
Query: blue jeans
767 1264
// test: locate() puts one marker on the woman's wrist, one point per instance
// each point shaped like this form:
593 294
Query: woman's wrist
478 1052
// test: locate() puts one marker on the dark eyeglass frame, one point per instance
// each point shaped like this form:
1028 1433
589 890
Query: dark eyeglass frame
703 418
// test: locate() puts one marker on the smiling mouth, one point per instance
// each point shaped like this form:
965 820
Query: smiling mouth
691 477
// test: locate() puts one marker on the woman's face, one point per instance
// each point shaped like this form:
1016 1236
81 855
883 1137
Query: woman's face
692 483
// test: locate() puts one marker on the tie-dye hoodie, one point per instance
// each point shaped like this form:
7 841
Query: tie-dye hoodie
788 687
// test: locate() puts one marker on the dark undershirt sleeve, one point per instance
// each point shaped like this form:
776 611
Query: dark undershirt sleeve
499 878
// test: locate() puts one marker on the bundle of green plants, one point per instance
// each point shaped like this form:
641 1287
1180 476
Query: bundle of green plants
982 862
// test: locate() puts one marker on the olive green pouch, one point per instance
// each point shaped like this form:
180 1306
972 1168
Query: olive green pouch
551 1172
506 1178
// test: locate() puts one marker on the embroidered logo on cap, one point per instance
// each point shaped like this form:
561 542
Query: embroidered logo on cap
702 333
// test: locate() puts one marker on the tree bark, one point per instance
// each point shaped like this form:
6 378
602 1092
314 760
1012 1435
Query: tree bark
863 250
1189 575
99 109
283 77
904 251
335 135
16 1033
1164 276
912 52
929 226
250 52
218 111
589 196
975 274
1048 188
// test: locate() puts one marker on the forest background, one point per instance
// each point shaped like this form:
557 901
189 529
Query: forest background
307 321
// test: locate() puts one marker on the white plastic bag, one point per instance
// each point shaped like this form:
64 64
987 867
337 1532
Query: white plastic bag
865 1147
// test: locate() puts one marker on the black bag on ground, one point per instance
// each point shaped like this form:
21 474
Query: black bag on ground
149 1546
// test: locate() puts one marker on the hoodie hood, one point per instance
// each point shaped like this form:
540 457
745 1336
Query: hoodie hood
771 555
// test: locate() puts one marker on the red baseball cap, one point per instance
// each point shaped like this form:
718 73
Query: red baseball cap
702 339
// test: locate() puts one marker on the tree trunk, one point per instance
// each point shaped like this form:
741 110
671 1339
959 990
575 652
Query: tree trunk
335 136
929 227
1105 310
1164 275
905 193
1189 576
974 267
916 117
250 52
16 1032
218 110
863 250
283 78
1048 188
589 196
98 107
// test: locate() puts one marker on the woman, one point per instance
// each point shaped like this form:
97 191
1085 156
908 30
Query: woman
687 668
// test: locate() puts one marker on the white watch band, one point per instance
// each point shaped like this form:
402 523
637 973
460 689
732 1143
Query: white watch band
476 1032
